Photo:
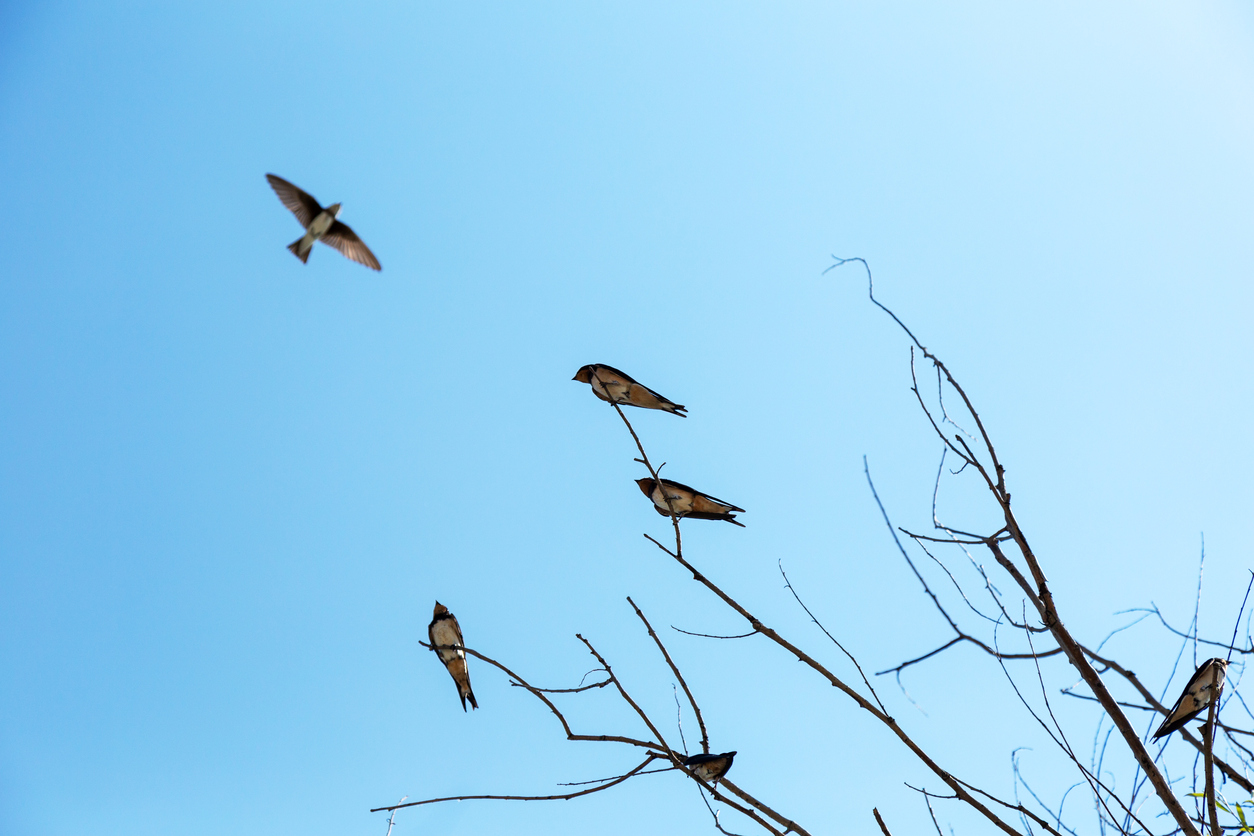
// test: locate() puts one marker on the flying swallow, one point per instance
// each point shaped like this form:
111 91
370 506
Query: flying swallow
320 225
609 384
688 502
1205 686
710 767
443 630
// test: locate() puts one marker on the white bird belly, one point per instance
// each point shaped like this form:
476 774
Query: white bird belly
445 633
321 224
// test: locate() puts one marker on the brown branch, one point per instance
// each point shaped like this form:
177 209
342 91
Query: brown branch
1229 772
836 682
717 824
564 797
1018 808
865 681
627 699
711 636
791 825
1208 738
1041 597
600 684
705 737
1043 601
1061 742
961 637
880 821
1153 608
539 694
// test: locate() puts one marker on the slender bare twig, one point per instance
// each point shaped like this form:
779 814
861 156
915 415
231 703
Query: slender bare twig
717 824
670 768
1059 740
564 797
677 555
711 636
1153 609
1229 772
865 681
540 695
392 818
577 690
692 701
994 476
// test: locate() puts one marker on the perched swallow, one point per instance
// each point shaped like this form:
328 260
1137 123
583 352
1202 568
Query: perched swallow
443 630
609 384
320 225
688 502
710 767
1202 688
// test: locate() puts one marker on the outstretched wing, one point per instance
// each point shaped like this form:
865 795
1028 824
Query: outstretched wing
350 246
299 203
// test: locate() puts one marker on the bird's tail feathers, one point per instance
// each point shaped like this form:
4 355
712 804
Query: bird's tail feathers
295 248
469 695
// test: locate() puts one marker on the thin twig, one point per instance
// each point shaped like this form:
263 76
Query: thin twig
392 818
692 701
565 797
1038 593
865 681
711 636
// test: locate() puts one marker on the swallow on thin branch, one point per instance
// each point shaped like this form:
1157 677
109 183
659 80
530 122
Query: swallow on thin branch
710 767
446 641
688 502
320 225
609 384
1204 687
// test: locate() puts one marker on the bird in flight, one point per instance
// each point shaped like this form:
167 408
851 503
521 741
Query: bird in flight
320 225
609 384
688 502
710 767
1204 687
446 641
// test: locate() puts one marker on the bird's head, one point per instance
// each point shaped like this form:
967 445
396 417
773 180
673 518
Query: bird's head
646 486
584 375
440 610
334 210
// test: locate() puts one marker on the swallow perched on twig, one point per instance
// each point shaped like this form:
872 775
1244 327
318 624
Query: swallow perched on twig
710 767
688 502
446 641
609 384
320 225
1205 686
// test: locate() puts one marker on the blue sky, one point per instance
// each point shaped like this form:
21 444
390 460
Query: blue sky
233 486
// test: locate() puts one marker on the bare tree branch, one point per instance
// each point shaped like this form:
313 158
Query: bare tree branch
696 709
564 797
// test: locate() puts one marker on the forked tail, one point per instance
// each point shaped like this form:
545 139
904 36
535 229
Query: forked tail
295 249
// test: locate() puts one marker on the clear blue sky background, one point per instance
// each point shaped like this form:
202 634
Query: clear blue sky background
232 486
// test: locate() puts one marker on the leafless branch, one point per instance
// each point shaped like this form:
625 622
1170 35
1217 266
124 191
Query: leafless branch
865 681
880 821
711 636
563 797
692 701
1038 592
